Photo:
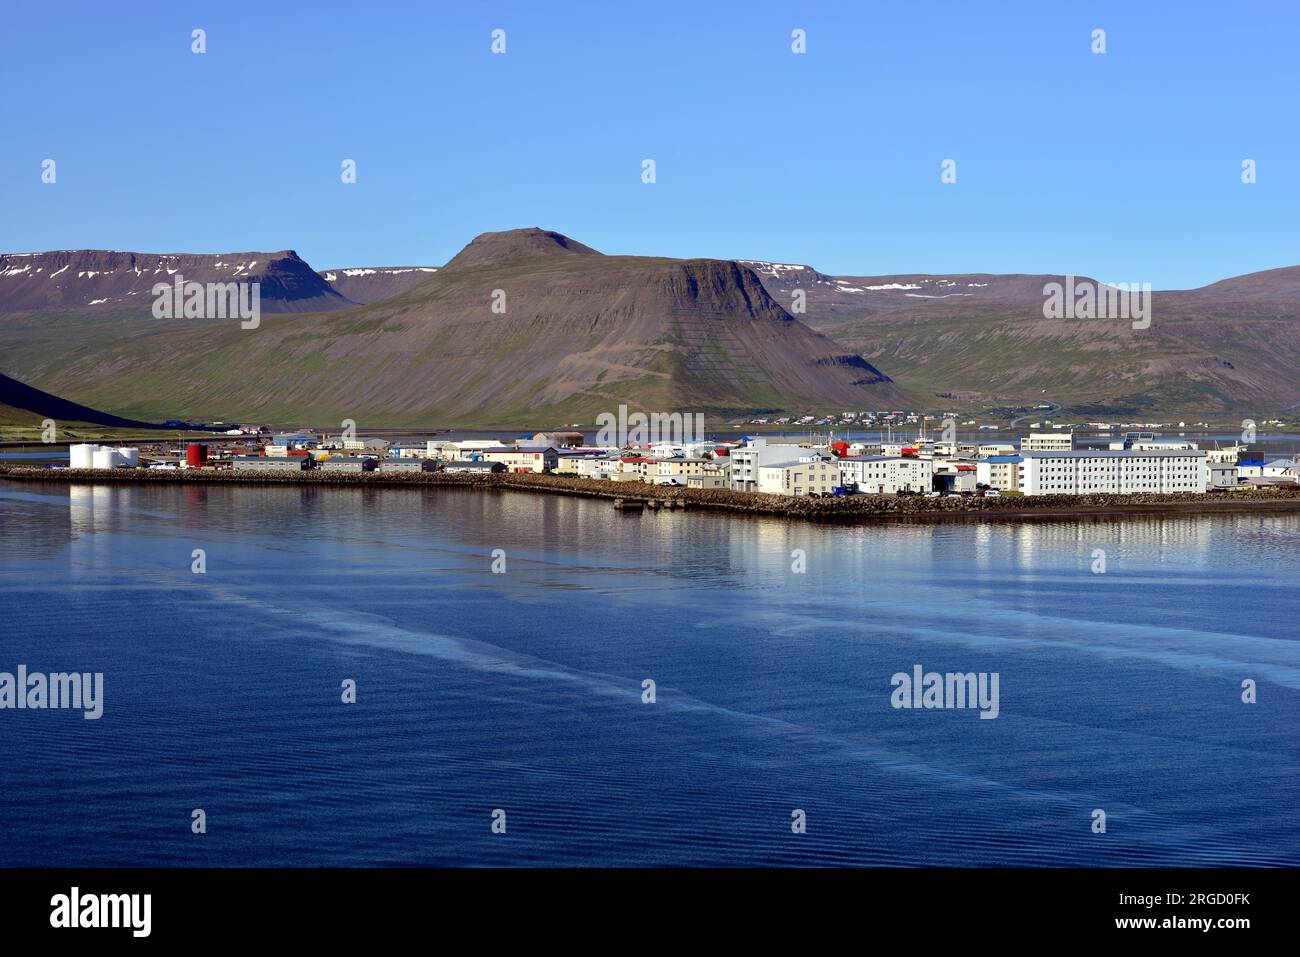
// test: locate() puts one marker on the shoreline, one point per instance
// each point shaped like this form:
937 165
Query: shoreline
852 509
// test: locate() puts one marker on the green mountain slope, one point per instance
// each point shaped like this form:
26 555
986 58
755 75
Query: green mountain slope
1231 347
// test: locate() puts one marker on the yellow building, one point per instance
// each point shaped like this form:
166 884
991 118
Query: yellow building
798 478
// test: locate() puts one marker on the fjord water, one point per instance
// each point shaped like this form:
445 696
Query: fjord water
522 691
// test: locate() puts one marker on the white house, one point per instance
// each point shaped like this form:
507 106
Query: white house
1282 468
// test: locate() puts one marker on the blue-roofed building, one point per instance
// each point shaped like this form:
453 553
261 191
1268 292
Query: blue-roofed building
1001 472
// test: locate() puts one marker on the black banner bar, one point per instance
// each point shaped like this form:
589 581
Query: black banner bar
373 905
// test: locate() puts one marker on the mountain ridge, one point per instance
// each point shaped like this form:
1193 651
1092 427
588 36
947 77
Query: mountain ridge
1232 346
660 331
102 280
519 326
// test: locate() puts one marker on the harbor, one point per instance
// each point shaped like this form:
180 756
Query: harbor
855 508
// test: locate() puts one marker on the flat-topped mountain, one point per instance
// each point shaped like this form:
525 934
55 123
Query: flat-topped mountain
101 280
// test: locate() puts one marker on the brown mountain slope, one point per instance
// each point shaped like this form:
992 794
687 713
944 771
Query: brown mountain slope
1231 347
102 281
367 284
580 334
517 245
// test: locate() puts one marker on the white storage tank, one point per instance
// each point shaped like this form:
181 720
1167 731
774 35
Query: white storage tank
105 458
82 456
128 457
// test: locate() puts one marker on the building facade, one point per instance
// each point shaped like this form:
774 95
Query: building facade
465 465
256 463
1094 472
748 459
1001 472
815 475
406 465
886 474
1048 442
348 463
1220 475
525 458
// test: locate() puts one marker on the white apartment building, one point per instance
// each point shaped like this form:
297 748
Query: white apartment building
814 474
1091 472
1048 442
746 461
1001 472
886 474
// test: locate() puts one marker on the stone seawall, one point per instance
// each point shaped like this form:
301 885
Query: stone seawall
849 508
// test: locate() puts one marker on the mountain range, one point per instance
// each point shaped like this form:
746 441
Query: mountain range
104 281
529 327
519 327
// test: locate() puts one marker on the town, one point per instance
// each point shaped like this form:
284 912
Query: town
1041 463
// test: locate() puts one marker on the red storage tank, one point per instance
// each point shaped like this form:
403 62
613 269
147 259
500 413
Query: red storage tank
196 455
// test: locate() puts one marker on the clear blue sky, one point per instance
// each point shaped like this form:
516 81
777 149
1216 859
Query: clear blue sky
1125 166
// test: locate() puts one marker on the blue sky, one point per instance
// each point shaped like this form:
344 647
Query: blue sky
1124 166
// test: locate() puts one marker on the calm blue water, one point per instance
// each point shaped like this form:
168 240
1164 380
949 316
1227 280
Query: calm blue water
522 691
36 457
